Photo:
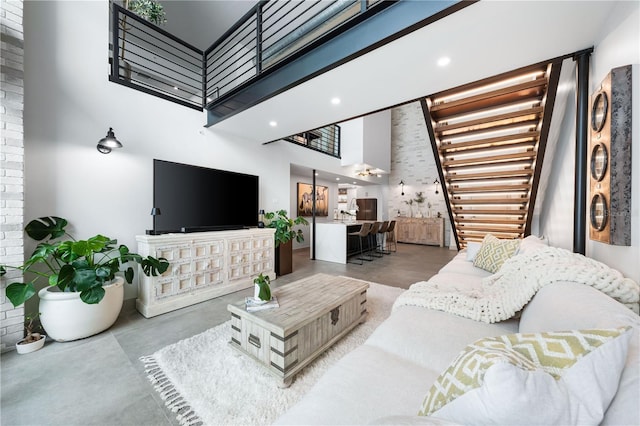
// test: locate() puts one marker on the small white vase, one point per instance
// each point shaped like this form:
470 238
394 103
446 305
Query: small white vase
26 348
65 317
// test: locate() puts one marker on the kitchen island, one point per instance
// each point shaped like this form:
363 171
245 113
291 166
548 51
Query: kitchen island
333 244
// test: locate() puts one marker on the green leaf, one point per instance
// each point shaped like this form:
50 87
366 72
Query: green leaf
17 293
41 228
85 279
153 266
104 273
99 243
128 275
65 252
65 277
53 280
2 270
92 295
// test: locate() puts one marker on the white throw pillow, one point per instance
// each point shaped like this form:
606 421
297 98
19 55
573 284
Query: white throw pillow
532 243
537 378
472 250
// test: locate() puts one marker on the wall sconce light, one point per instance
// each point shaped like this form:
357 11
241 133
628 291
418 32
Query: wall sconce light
109 142
154 212
402 187
436 183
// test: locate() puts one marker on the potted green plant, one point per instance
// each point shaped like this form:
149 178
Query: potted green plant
83 273
262 289
284 236
32 341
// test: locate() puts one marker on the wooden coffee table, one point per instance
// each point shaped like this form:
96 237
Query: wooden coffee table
314 313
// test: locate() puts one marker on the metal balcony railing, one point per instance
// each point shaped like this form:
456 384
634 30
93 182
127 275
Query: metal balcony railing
325 139
148 58
269 33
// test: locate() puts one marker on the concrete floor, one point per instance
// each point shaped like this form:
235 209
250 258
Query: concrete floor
100 381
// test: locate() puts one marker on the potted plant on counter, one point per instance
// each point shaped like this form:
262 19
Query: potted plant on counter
284 236
88 295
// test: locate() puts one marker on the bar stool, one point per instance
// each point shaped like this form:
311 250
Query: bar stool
365 228
391 232
375 230
383 231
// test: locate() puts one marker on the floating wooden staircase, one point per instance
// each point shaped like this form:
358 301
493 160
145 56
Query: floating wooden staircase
489 140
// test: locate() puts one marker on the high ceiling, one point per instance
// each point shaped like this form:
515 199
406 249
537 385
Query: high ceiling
484 39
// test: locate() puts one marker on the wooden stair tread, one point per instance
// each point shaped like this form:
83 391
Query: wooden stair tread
527 155
490 228
502 212
488 175
535 111
489 188
502 221
523 91
453 149
458 202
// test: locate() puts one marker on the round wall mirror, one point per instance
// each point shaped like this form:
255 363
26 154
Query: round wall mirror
599 111
599 161
599 212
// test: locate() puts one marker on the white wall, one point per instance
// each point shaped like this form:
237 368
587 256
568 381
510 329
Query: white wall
617 45
377 136
69 106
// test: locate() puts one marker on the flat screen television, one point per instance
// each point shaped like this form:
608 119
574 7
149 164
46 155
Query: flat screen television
193 198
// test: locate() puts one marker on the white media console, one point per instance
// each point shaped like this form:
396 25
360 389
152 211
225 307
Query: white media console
203 265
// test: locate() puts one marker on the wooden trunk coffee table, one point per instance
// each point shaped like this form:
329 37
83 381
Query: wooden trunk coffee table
314 313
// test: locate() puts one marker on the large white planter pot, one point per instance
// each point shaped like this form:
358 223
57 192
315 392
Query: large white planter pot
66 317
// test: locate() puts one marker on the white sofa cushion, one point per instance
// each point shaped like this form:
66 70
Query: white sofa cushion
565 305
565 377
366 384
431 338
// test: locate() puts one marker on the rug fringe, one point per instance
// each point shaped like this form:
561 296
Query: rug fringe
171 397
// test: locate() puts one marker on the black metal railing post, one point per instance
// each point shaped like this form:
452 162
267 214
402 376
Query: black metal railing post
259 39
115 63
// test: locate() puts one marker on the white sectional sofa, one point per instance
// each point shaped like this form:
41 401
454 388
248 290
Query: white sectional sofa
385 380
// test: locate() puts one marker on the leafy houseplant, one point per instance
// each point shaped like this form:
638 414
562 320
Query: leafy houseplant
284 234
263 291
75 265
284 226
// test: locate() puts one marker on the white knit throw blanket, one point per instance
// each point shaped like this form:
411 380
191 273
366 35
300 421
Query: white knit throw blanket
512 287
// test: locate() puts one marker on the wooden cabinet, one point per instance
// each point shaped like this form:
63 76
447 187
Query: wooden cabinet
367 209
203 265
429 231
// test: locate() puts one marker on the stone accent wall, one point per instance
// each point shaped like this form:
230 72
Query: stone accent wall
412 161
11 164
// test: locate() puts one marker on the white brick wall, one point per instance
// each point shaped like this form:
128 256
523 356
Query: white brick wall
412 162
11 164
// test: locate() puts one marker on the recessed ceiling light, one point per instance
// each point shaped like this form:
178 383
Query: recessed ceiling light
175 87
444 61
273 123
335 101
337 178
354 183
316 173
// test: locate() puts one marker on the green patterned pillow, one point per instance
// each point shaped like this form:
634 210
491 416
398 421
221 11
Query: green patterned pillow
494 252
542 378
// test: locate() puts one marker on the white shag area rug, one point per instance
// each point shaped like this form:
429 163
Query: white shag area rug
207 382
